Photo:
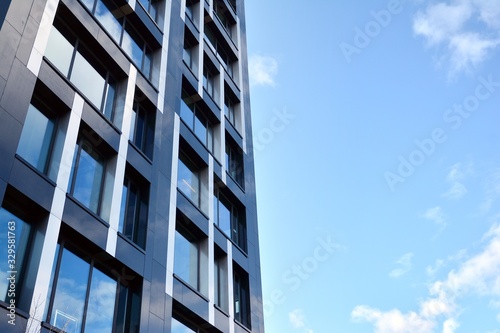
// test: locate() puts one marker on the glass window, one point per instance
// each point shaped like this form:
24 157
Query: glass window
121 30
221 285
83 298
194 118
87 175
101 303
187 258
188 180
36 139
230 219
59 51
229 110
234 164
134 212
112 25
241 297
208 82
142 130
178 327
131 47
151 6
129 310
70 292
88 80
96 85
222 209
186 56
14 241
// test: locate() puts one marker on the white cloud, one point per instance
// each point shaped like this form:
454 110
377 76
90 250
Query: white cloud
298 321
492 191
404 266
478 275
450 326
436 215
455 178
393 321
262 70
448 26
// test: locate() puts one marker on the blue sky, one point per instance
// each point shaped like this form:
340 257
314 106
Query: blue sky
377 131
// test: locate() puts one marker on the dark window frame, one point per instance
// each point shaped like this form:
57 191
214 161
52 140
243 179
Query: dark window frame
145 114
200 115
134 228
45 110
238 232
83 139
196 171
241 291
234 159
122 315
79 47
128 27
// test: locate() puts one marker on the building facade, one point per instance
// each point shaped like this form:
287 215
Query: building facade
127 184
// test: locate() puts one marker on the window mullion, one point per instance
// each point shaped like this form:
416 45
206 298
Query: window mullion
101 188
56 280
87 294
117 306
104 94
73 56
75 166
50 154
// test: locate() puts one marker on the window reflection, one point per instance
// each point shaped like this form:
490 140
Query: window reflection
88 80
36 139
88 175
83 297
22 238
70 293
121 30
188 182
101 303
59 51
178 327
186 261
74 61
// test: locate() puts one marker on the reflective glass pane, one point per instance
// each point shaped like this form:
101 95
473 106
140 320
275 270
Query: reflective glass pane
142 223
200 129
188 182
59 51
178 327
186 260
88 180
148 61
225 216
11 228
139 130
131 214
148 146
88 80
123 207
89 4
131 136
131 47
36 138
109 101
112 25
221 286
187 114
71 289
101 304
153 9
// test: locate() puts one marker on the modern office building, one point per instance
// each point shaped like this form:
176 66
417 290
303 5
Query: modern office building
127 186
